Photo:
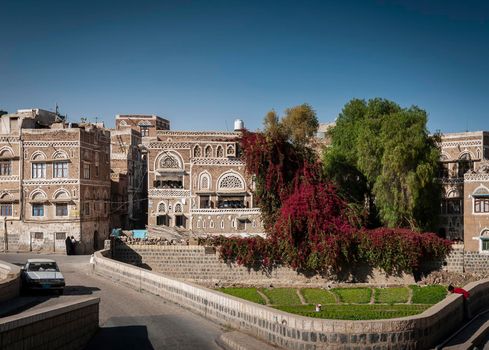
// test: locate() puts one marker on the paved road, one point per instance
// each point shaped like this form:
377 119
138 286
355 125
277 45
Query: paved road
128 319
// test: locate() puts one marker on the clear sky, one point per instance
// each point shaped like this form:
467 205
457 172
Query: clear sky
202 64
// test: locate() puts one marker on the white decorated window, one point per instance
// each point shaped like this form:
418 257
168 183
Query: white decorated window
220 152
231 181
197 151
178 208
208 151
161 207
169 162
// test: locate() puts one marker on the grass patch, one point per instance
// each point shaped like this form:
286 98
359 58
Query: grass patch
249 294
391 295
318 296
282 296
428 294
353 295
356 312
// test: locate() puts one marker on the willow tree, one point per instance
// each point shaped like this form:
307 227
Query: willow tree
382 155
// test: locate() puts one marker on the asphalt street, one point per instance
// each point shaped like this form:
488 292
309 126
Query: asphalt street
128 319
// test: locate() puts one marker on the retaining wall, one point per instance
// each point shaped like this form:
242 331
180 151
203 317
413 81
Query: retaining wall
64 326
461 261
297 332
202 265
9 281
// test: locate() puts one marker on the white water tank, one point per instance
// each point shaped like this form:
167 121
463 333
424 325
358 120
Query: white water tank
238 125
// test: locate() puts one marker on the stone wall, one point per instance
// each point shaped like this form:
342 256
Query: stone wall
202 265
64 326
297 332
467 261
9 281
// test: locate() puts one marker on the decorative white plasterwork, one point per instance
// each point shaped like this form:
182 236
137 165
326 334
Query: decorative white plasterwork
168 160
9 178
51 182
217 161
230 180
220 211
169 145
38 194
453 181
167 192
198 133
60 154
6 149
461 143
52 144
9 139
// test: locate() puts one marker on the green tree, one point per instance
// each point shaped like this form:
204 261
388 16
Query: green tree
390 147
298 124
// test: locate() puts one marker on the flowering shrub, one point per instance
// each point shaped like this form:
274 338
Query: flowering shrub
309 226
396 250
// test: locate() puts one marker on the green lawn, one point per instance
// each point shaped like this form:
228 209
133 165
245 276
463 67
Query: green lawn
282 296
356 312
391 295
389 302
428 294
249 294
353 295
318 296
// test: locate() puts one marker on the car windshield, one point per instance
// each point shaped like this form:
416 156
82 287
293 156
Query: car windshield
43 266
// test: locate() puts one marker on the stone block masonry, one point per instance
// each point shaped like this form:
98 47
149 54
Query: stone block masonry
461 261
202 265
297 332
64 326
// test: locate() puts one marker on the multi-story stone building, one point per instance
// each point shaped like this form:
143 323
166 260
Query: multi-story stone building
197 182
128 174
54 182
465 197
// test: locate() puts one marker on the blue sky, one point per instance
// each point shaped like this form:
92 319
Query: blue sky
202 64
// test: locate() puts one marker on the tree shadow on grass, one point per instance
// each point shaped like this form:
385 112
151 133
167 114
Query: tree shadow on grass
120 338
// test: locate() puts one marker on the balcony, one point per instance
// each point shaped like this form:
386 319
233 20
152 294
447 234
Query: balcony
167 192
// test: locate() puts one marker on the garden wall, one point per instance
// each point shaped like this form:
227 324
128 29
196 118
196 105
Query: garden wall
293 331
202 265
9 281
63 326
464 261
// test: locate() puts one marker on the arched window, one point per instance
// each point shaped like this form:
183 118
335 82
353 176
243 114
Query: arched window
205 182
211 224
222 224
465 163
220 152
230 150
231 181
161 208
178 208
485 240
197 151
208 151
169 162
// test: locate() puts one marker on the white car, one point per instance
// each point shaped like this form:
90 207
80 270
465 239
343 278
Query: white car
42 274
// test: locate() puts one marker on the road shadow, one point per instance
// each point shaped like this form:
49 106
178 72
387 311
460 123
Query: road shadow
119 338
79 290
23 303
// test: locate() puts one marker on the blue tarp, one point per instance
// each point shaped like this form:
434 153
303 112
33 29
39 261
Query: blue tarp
116 232
139 233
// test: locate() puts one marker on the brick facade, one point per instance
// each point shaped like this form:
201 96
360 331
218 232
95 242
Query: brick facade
55 183
197 182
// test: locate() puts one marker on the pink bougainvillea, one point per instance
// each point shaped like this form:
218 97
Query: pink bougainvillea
309 227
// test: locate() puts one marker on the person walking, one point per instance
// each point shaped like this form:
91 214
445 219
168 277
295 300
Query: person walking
69 248
73 245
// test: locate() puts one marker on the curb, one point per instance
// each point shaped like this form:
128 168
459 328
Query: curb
239 341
